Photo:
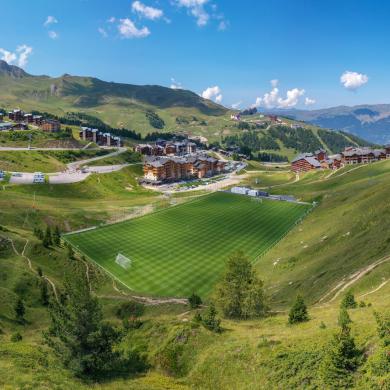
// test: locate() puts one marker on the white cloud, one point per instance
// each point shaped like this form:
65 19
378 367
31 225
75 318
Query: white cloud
353 80
257 102
236 105
309 101
292 98
50 20
52 34
24 52
129 30
102 32
111 20
19 57
175 84
146 12
7 56
272 99
212 92
196 9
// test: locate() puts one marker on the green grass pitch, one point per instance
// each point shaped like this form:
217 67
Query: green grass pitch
183 249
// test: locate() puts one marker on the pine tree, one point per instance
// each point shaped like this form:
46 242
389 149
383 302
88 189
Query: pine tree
240 293
57 236
344 318
47 239
210 320
298 311
20 310
349 301
341 358
77 334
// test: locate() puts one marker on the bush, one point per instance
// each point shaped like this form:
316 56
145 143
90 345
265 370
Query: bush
210 320
298 312
195 301
348 302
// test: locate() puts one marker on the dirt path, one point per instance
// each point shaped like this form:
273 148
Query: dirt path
30 266
351 279
375 289
145 300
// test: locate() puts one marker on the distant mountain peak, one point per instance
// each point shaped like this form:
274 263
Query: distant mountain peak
11 70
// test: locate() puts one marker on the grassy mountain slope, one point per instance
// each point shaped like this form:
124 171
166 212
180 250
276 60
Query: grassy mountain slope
125 105
120 105
345 233
312 259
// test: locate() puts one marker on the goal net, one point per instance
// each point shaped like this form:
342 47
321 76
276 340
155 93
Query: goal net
123 261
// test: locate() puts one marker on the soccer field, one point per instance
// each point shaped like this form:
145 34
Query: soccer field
183 249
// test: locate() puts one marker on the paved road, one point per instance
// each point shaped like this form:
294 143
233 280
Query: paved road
73 174
77 164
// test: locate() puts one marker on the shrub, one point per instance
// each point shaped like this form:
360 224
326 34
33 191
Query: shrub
210 320
298 312
348 301
195 301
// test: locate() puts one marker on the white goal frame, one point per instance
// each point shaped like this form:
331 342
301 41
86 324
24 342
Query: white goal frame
123 261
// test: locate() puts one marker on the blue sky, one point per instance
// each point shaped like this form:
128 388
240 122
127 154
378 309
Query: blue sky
227 50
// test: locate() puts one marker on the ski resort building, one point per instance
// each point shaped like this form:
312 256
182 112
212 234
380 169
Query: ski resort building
50 125
100 138
351 155
165 148
305 162
158 169
363 155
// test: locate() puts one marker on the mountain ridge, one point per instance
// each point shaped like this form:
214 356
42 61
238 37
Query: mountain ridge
369 121
94 91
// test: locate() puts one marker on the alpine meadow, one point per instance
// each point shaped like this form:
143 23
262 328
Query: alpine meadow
193 197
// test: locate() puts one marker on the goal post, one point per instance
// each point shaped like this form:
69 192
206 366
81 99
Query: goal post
123 261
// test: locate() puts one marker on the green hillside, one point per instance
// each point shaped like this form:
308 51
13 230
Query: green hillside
334 247
120 105
150 108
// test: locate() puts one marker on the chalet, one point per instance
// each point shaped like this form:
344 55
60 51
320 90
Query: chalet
164 148
16 115
158 169
38 120
355 155
321 155
28 118
98 137
305 162
51 126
